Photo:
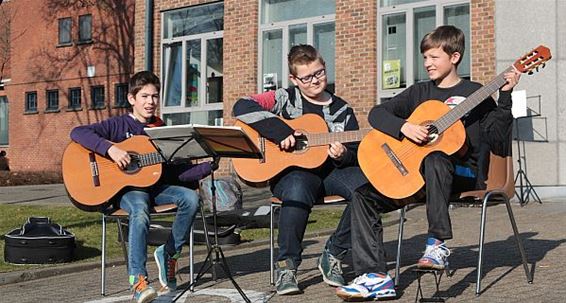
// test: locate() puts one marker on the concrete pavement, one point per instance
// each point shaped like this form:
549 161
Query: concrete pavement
541 227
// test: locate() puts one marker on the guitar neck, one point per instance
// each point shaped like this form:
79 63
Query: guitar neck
147 159
343 137
472 101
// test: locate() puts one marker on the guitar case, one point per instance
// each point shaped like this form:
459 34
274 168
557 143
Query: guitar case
39 241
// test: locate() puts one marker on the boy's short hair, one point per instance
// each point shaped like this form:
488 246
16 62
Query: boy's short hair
141 79
302 54
450 38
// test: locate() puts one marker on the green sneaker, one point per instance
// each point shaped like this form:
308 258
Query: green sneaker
167 266
286 283
331 269
143 293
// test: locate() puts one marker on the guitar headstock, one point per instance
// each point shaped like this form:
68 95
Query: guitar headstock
533 60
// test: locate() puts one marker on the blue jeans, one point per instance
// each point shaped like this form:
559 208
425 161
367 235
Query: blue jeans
137 203
299 189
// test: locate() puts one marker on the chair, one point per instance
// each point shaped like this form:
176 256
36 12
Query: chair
119 215
275 202
500 188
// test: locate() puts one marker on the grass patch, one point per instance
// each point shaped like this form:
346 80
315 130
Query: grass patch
87 227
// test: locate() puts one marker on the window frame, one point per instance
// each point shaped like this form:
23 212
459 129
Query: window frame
93 103
48 101
409 10
80 38
284 26
72 106
28 108
70 33
125 103
203 105
6 106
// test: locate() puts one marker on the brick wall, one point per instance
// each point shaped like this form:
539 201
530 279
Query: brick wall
356 56
482 40
37 140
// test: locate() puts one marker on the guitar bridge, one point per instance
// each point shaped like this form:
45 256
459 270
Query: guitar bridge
94 169
262 149
396 161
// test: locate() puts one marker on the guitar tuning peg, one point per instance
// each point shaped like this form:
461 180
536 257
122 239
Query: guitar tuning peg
530 72
537 69
543 65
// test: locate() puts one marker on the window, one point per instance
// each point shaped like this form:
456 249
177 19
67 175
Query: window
65 25
31 102
402 24
97 97
285 23
85 28
3 120
121 95
75 98
52 100
193 65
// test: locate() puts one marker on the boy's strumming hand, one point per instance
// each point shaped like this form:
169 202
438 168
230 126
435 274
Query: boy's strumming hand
415 133
512 79
336 150
120 156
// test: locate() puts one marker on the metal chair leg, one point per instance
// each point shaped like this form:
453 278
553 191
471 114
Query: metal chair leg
271 246
482 239
103 258
399 240
122 241
519 242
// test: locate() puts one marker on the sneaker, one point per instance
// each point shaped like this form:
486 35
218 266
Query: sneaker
143 293
286 283
368 287
331 269
167 266
435 255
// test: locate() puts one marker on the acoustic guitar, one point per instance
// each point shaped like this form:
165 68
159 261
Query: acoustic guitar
392 165
91 180
310 148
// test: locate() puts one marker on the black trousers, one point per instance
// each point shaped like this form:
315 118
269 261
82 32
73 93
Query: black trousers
368 252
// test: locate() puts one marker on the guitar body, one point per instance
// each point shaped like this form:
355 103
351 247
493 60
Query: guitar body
89 190
383 173
276 160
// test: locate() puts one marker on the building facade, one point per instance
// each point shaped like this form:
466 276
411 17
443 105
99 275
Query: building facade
210 53
69 65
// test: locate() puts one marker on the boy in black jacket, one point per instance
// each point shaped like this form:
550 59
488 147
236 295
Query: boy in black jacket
442 50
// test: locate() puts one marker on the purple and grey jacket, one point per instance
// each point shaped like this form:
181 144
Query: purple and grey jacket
99 137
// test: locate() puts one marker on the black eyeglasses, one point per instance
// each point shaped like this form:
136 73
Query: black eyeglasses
308 78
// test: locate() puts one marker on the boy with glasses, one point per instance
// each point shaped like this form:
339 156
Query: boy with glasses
300 188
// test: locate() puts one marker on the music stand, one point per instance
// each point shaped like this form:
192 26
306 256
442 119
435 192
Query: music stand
215 142
521 111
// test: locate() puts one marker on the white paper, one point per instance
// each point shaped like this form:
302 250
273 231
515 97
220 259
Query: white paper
519 108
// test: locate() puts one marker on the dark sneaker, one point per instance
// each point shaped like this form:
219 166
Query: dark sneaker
435 255
368 287
167 266
286 283
331 269
143 293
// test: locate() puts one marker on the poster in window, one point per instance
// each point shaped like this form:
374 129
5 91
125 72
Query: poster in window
269 82
391 74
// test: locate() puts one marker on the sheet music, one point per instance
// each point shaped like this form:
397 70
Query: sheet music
193 141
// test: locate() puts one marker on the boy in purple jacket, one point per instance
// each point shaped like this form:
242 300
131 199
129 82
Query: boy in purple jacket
100 137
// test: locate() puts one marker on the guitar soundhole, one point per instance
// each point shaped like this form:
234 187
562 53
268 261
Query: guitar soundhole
432 134
301 143
134 165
